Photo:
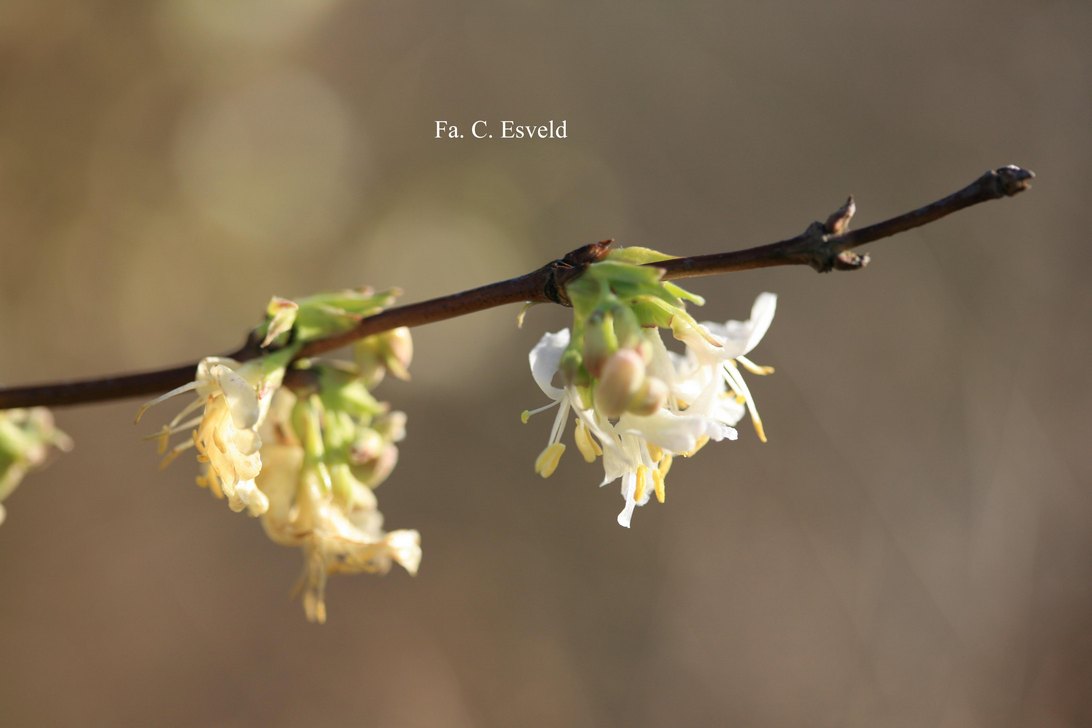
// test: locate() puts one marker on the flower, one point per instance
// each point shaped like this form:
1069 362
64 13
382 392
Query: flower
316 503
639 446
637 404
235 398
711 365
26 438
305 460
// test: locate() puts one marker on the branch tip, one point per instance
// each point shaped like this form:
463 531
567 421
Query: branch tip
1011 180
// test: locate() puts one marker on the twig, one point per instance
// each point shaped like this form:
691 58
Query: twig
828 246
824 246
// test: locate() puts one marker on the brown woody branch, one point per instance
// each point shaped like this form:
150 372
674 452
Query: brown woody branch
824 246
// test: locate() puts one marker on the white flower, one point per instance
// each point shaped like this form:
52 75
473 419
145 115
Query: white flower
637 448
647 444
689 400
235 398
710 368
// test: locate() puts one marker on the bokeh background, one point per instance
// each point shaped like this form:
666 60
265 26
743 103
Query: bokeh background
911 548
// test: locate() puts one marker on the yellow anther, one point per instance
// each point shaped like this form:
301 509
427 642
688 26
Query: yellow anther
655 452
753 368
757 422
658 484
524 416
585 443
642 473
665 465
169 458
547 461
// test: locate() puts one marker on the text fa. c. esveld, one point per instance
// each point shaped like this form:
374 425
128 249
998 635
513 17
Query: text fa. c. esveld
480 129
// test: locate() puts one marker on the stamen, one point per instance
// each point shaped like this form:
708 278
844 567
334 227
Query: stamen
587 445
559 421
174 453
527 414
642 475
753 368
735 379
665 465
194 405
655 452
658 484
548 459
163 397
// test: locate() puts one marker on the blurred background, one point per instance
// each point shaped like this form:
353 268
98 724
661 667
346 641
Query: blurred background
911 548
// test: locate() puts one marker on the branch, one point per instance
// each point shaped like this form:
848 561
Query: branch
824 246
828 246
545 285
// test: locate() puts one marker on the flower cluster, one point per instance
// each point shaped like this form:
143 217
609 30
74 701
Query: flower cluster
306 460
637 404
27 437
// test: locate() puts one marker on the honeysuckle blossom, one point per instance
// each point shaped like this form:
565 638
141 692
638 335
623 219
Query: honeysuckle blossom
233 399
306 460
638 448
27 437
317 504
637 404
707 363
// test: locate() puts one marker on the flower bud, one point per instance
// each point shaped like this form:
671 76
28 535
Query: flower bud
627 328
649 399
599 341
571 368
379 468
622 378
391 426
389 351
399 350
367 446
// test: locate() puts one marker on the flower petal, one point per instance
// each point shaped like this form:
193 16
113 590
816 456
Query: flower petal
545 359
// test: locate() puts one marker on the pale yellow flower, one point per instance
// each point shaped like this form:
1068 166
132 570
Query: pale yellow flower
235 398
327 512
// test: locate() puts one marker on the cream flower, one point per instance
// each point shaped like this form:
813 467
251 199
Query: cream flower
337 537
235 398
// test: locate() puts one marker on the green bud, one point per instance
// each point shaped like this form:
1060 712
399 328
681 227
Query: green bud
389 351
572 367
636 255
599 341
627 327
342 390
282 316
